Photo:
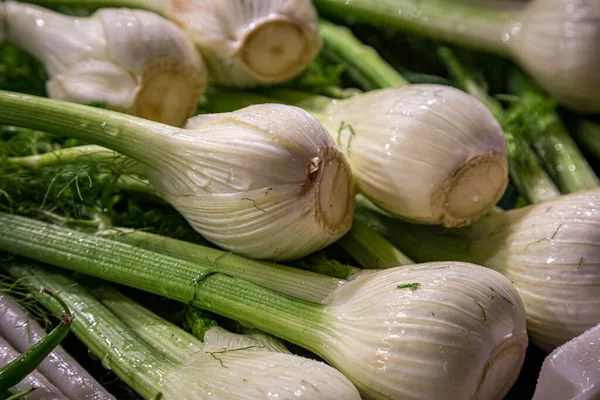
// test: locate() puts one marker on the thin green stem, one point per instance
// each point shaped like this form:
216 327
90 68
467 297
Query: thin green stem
87 153
370 249
526 171
457 22
292 281
136 137
588 133
410 238
289 318
563 159
364 65
138 364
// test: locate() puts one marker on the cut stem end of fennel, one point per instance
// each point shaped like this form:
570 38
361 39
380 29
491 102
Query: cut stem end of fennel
168 92
275 50
465 198
334 186
503 368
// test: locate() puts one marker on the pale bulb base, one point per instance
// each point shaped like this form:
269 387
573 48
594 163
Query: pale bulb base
502 368
278 49
334 191
168 92
474 190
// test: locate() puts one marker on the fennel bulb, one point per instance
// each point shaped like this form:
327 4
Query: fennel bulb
134 61
572 371
242 371
266 181
249 42
555 41
425 153
464 323
550 251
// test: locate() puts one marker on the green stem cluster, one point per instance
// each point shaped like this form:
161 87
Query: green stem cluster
563 159
289 318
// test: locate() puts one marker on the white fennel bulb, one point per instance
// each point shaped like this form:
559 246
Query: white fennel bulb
266 181
550 251
248 366
425 153
250 42
134 61
429 331
249 373
572 371
557 42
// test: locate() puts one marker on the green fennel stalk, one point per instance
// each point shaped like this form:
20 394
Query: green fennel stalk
362 62
297 321
588 132
559 152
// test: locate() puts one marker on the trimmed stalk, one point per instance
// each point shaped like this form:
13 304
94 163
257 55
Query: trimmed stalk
527 32
363 63
550 137
230 175
484 348
588 132
133 61
526 171
292 281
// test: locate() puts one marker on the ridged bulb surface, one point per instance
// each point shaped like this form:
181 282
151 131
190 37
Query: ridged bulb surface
551 252
428 331
246 42
252 373
557 41
266 181
134 61
425 153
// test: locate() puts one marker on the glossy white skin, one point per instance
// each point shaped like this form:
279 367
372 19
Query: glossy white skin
103 57
219 28
551 252
572 371
410 141
242 179
253 374
430 343
558 42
